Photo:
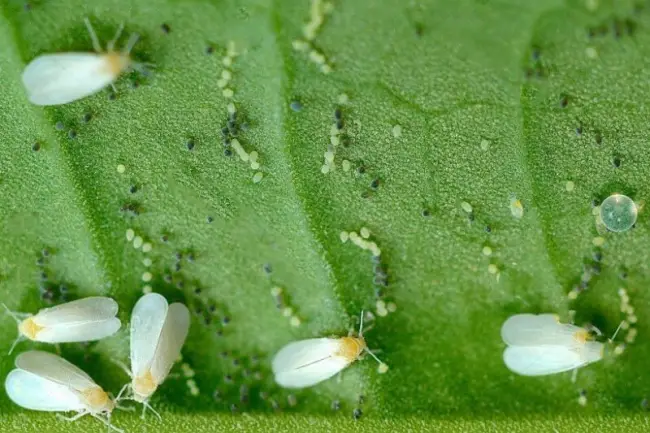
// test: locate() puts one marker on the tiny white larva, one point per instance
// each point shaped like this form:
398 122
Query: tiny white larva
55 79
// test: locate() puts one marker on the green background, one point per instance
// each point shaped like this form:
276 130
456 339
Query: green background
452 74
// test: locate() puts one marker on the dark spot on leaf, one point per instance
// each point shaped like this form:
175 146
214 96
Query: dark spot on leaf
209 49
165 28
425 213
36 146
617 28
296 106
45 252
595 268
535 54
630 27
72 134
267 268
488 229
374 184
133 189
225 320
59 126
419 30
336 405
598 255
86 117
599 138
356 414
112 96
564 101
227 152
616 161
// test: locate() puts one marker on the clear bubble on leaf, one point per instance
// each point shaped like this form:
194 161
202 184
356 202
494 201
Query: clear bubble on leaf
618 212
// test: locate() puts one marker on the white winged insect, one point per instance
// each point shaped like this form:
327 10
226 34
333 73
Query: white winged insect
46 382
158 332
539 345
305 363
86 319
55 79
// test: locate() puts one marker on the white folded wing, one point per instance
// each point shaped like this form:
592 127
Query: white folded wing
87 319
307 362
158 332
53 79
43 381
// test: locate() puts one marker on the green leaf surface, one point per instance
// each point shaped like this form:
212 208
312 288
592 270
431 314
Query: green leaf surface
497 101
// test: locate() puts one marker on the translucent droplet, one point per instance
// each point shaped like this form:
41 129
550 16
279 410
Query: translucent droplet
618 212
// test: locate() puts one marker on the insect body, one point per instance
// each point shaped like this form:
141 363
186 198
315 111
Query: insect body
158 331
307 362
539 345
55 79
46 382
86 319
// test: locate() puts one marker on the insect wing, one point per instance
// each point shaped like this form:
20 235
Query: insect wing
147 321
307 362
34 392
172 338
53 79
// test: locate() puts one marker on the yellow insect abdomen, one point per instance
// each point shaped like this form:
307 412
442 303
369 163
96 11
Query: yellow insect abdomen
97 399
351 347
116 63
582 336
143 386
29 328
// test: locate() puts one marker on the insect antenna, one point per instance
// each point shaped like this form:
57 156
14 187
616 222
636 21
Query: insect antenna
616 332
93 36
111 44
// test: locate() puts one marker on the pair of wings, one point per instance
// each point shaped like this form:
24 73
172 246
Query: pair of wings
54 79
539 345
158 331
44 381
307 362
87 319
